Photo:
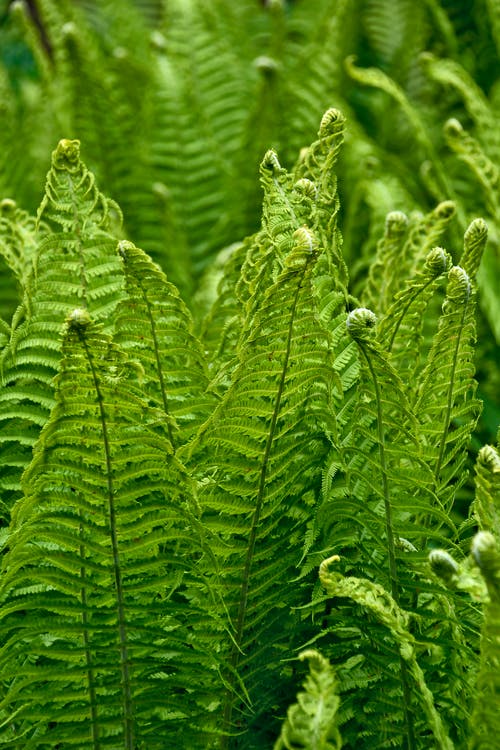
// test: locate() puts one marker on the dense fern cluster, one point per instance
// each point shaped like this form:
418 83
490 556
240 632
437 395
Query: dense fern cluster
229 445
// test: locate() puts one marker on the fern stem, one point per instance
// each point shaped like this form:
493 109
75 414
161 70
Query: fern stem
240 623
393 572
129 743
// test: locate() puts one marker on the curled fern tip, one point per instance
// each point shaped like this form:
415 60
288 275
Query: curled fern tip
270 161
459 286
453 128
332 121
395 223
67 153
483 549
361 322
78 319
443 565
489 458
437 262
266 65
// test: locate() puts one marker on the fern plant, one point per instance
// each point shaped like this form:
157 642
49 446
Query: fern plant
187 439
176 489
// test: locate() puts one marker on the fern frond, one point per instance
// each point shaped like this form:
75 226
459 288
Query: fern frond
311 723
69 182
202 91
154 326
401 328
379 288
469 150
475 239
451 74
256 494
18 240
394 31
479 575
382 605
314 47
316 177
99 547
402 252
379 80
487 497
376 460
382 510
74 263
446 405
221 326
485 719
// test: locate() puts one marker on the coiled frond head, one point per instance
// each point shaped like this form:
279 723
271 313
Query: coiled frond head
332 122
459 288
487 557
361 323
438 261
306 187
396 223
266 65
304 248
445 210
270 163
7 207
124 247
443 565
453 128
475 239
66 155
78 319
489 459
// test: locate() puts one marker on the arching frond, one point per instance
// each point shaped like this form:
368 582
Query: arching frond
385 609
94 576
71 261
255 492
401 328
446 406
154 326
469 150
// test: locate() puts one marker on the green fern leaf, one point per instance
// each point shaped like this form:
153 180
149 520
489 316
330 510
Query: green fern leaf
401 328
379 602
93 579
376 460
380 285
474 244
485 720
470 151
379 80
74 264
18 241
446 406
155 326
256 494
311 723
487 498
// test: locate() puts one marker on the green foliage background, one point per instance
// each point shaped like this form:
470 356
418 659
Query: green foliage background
234 352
